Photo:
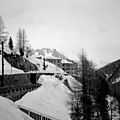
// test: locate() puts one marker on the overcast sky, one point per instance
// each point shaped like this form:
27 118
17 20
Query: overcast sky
67 25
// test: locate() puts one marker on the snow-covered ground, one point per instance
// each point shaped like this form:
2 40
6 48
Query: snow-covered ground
116 81
9 111
113 108
51 98
8 69
50 69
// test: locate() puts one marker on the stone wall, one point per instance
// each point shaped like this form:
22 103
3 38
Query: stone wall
15 79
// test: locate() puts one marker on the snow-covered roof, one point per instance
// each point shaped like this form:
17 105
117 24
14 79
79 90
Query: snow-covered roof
65 61
51 98
9 111
8 69
52 57
37 55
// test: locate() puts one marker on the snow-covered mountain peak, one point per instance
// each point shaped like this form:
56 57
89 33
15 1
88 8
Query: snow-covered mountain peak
50 52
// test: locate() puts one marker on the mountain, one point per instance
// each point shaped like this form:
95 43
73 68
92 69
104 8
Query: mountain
50 52
109 68
111 73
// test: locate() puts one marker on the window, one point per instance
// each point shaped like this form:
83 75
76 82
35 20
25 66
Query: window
37 117
33 115
25 111
43 118
40 117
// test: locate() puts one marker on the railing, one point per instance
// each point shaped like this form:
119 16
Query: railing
35 114
16 92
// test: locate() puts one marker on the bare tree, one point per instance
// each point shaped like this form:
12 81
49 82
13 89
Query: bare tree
21 41
25 41
10 43
3 33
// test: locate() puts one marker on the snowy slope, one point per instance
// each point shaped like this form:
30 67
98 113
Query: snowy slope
6 48
50 69
51 98
8 69
8 111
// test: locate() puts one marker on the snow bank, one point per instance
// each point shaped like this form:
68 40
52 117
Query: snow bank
50 99
8 111
50 69
8 69
72 82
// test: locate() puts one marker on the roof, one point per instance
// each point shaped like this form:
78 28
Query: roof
65 61
52 57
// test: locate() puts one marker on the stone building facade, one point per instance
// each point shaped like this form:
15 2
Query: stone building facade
69 67
54 60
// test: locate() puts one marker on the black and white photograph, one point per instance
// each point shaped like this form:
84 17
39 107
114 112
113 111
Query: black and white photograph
59 59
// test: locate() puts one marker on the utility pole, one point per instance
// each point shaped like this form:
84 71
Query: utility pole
3 38
44 64
84 92
44 68
2 84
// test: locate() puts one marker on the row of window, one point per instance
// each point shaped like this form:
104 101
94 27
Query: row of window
54 61
34 115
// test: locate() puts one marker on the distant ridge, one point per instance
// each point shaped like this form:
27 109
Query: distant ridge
111 73
108 69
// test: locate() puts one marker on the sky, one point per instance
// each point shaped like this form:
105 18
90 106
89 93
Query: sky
67 25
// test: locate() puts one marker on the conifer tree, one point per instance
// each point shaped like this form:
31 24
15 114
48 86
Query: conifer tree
10 43
101 98
83 105
87 70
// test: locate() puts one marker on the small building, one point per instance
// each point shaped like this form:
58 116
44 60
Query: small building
69 66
